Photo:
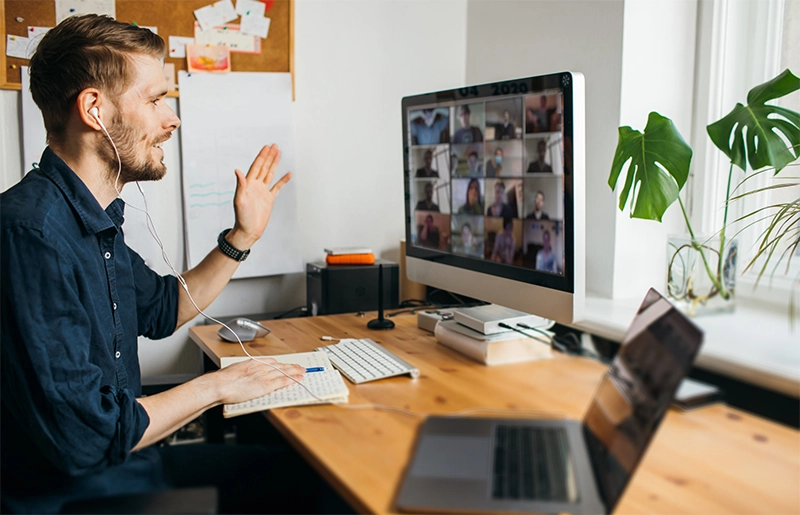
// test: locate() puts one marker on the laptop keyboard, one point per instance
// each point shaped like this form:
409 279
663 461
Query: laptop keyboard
530 463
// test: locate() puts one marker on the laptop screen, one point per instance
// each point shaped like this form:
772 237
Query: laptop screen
656 354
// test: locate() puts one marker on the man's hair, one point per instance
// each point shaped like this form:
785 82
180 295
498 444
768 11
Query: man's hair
463 108
83 52
473 153
542 143
540 192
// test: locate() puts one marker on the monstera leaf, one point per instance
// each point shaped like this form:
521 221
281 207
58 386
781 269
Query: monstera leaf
763 145
656 187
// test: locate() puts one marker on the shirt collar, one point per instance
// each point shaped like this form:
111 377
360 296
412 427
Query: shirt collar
90 213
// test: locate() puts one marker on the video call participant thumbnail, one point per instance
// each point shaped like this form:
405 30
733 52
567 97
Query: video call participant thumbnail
544 246
430 126
494 165
504 119
539 165
538 212
467 236
500 207
467 133
427 169
473 204
433 230
505 243
542 113
427 204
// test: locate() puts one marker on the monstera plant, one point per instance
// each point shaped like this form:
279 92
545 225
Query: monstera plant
763 135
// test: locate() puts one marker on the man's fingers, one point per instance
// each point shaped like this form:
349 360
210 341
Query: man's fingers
258 162
281 183
272 165
270 154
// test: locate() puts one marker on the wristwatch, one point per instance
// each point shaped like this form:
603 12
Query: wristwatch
229 250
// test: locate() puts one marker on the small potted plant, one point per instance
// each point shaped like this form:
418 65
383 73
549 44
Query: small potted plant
701 269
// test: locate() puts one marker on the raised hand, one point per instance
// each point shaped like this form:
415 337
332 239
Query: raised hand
254 197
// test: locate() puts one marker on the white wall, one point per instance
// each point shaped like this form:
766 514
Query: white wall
507 39
637 56
354 62
658 63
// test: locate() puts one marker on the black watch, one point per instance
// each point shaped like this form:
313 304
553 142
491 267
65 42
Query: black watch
229 250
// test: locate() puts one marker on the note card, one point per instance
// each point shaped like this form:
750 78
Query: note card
177 46
216 14
230 36
67 8
250 8
255 25
35 35
17 46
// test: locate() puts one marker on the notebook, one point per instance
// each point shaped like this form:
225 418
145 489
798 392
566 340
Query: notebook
327 385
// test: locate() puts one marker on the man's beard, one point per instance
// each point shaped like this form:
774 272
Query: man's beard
134 168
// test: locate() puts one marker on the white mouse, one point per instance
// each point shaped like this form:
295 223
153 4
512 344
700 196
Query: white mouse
244 328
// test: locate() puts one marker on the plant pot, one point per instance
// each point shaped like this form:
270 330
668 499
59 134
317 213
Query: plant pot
689 277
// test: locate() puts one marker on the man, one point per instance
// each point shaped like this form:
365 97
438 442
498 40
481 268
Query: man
429 235
75 297
427 204
494 166
538 117
505 244
427 170
545 259
474 164
500 207
506 130
538 208
539 166
432 128
467 133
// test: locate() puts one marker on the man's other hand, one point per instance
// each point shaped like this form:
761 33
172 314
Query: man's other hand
251 379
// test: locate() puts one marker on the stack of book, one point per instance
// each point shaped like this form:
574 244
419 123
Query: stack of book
476 333
349 256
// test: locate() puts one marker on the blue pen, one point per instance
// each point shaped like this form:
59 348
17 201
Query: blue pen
315 369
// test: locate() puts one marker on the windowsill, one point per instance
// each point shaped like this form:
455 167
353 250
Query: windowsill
752 344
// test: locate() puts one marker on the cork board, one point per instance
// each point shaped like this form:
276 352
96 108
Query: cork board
172 17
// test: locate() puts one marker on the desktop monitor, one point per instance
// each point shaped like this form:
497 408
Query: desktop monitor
494 192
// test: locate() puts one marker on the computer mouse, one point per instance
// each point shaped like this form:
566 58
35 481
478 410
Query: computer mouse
244 328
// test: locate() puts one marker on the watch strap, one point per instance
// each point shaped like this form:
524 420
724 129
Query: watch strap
229 250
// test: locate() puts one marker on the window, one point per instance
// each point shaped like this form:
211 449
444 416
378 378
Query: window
741 43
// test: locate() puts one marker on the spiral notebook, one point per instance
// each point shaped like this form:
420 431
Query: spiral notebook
327 385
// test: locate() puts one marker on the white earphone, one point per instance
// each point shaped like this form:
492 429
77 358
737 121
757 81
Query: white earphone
96 113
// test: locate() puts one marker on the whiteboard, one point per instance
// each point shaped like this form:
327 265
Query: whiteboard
34 136
226 119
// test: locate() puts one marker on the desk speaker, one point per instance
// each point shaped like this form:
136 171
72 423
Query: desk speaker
332 289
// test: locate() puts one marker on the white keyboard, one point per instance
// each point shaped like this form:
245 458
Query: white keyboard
364 360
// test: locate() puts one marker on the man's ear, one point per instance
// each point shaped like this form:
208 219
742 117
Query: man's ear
90 108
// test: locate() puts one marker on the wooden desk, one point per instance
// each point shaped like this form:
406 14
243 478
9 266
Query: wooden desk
713 460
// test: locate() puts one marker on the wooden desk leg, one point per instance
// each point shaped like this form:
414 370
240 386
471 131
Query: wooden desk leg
213 421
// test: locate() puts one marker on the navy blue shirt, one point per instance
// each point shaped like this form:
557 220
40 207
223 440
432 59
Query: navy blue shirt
74 300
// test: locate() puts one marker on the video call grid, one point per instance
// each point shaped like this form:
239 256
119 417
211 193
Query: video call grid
490 214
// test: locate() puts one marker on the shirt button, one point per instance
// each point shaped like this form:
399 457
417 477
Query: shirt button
114 306
107 255
117 354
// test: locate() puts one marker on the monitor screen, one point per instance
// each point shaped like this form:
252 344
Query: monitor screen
491 184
